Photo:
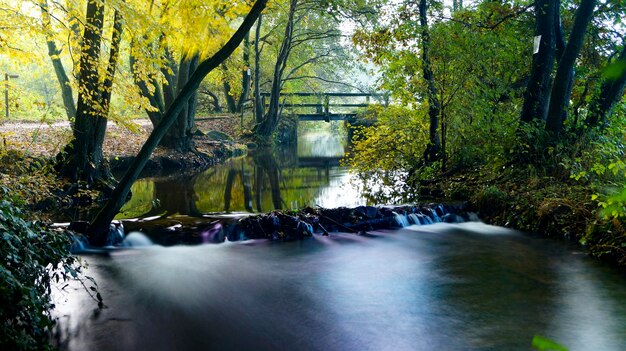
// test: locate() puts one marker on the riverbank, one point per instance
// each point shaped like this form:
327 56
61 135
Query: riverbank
523 198
27 152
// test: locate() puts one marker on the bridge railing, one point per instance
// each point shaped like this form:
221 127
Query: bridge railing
323 106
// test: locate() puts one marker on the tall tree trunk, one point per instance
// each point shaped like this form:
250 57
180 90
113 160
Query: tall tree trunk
433 149
100 224
83 160
611 92
156 98
105 98
269 123
245 75
560 95
560 49
169 71
54 54
537 94
259 109
457 5
179 136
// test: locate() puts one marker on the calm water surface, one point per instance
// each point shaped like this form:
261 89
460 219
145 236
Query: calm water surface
288 178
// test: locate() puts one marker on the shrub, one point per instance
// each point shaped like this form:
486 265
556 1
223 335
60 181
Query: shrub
32 259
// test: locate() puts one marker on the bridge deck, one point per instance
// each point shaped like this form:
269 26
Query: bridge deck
325 117
325 110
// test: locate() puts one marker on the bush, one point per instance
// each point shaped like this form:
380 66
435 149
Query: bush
490 200
32 259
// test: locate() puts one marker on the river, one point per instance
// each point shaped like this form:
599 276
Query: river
463 286
288 178
467 286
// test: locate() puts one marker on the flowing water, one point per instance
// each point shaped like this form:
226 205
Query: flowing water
432 287
428 286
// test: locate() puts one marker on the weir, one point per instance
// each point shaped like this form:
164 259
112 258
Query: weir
276 225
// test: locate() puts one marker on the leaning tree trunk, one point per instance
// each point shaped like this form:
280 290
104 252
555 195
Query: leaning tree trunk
266 128
215 101
560 95
433 149
100 224
611 92
537 94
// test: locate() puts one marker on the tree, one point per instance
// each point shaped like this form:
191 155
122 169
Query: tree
179 137
473 67
234 104
55 56
82 158
258 103
611 92
166 52
266 127
309 44
100 225
563 80
433 149
537 95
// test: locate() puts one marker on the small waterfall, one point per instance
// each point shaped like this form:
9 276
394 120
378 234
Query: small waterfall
213 234
451 218
435 218
137 239
440 210
424 219
116 234
414 219
401 219
473 217
79 243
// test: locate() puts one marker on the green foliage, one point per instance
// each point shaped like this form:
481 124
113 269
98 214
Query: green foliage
33 259
384 152
544 344
490 200
612 205
614 70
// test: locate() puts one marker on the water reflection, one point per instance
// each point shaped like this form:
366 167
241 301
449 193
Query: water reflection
287 178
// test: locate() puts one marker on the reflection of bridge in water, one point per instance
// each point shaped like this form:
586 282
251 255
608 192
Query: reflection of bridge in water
326 108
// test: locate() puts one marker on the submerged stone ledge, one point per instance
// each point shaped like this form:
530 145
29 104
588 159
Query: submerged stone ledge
290 225
282 225
277 225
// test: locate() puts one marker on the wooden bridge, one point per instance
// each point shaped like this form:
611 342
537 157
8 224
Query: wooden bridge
326 108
